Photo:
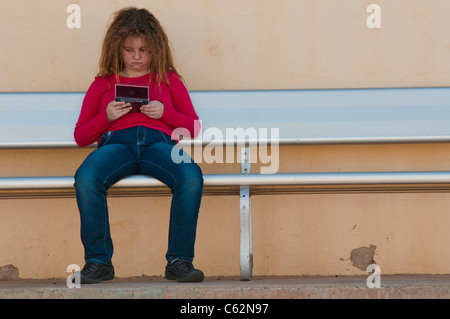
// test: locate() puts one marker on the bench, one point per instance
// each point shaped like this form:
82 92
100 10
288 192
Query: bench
286 117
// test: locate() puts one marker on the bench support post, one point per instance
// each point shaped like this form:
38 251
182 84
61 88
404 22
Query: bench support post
245 221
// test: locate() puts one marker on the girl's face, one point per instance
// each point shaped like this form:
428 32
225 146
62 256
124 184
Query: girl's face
135 57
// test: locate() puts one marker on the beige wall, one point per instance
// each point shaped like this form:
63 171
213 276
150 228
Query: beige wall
235 44
250 44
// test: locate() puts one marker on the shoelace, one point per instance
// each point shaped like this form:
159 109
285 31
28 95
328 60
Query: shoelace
183 266
91 269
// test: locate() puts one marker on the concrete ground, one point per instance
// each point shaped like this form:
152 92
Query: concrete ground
218 288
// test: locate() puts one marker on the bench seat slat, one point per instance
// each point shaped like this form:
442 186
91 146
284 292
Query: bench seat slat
342 178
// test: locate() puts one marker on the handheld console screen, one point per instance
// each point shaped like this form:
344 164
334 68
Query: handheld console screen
137 95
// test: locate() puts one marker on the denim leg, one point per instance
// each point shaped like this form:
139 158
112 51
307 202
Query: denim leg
99 171
186 183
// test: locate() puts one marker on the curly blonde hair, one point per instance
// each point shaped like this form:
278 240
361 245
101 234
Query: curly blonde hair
134 22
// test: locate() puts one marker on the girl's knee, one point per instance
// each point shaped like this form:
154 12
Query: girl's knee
192 175
84 178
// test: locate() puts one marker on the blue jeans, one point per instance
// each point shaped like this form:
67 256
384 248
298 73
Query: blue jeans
133 151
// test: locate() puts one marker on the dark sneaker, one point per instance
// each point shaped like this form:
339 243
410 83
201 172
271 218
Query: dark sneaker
182 270
94 273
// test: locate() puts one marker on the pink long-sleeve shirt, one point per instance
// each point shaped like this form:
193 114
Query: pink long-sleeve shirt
178 112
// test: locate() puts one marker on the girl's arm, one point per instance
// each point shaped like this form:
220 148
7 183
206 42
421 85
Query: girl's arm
182 115
92 123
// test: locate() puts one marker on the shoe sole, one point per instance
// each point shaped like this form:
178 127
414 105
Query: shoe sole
194 276
87 280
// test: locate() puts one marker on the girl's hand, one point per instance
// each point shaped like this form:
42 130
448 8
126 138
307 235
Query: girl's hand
154 109
116 110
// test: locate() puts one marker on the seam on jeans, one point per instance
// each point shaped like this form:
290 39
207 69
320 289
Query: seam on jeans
144 137
171 207
140 143
166 138
105 224
162 169
106 137
113 172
